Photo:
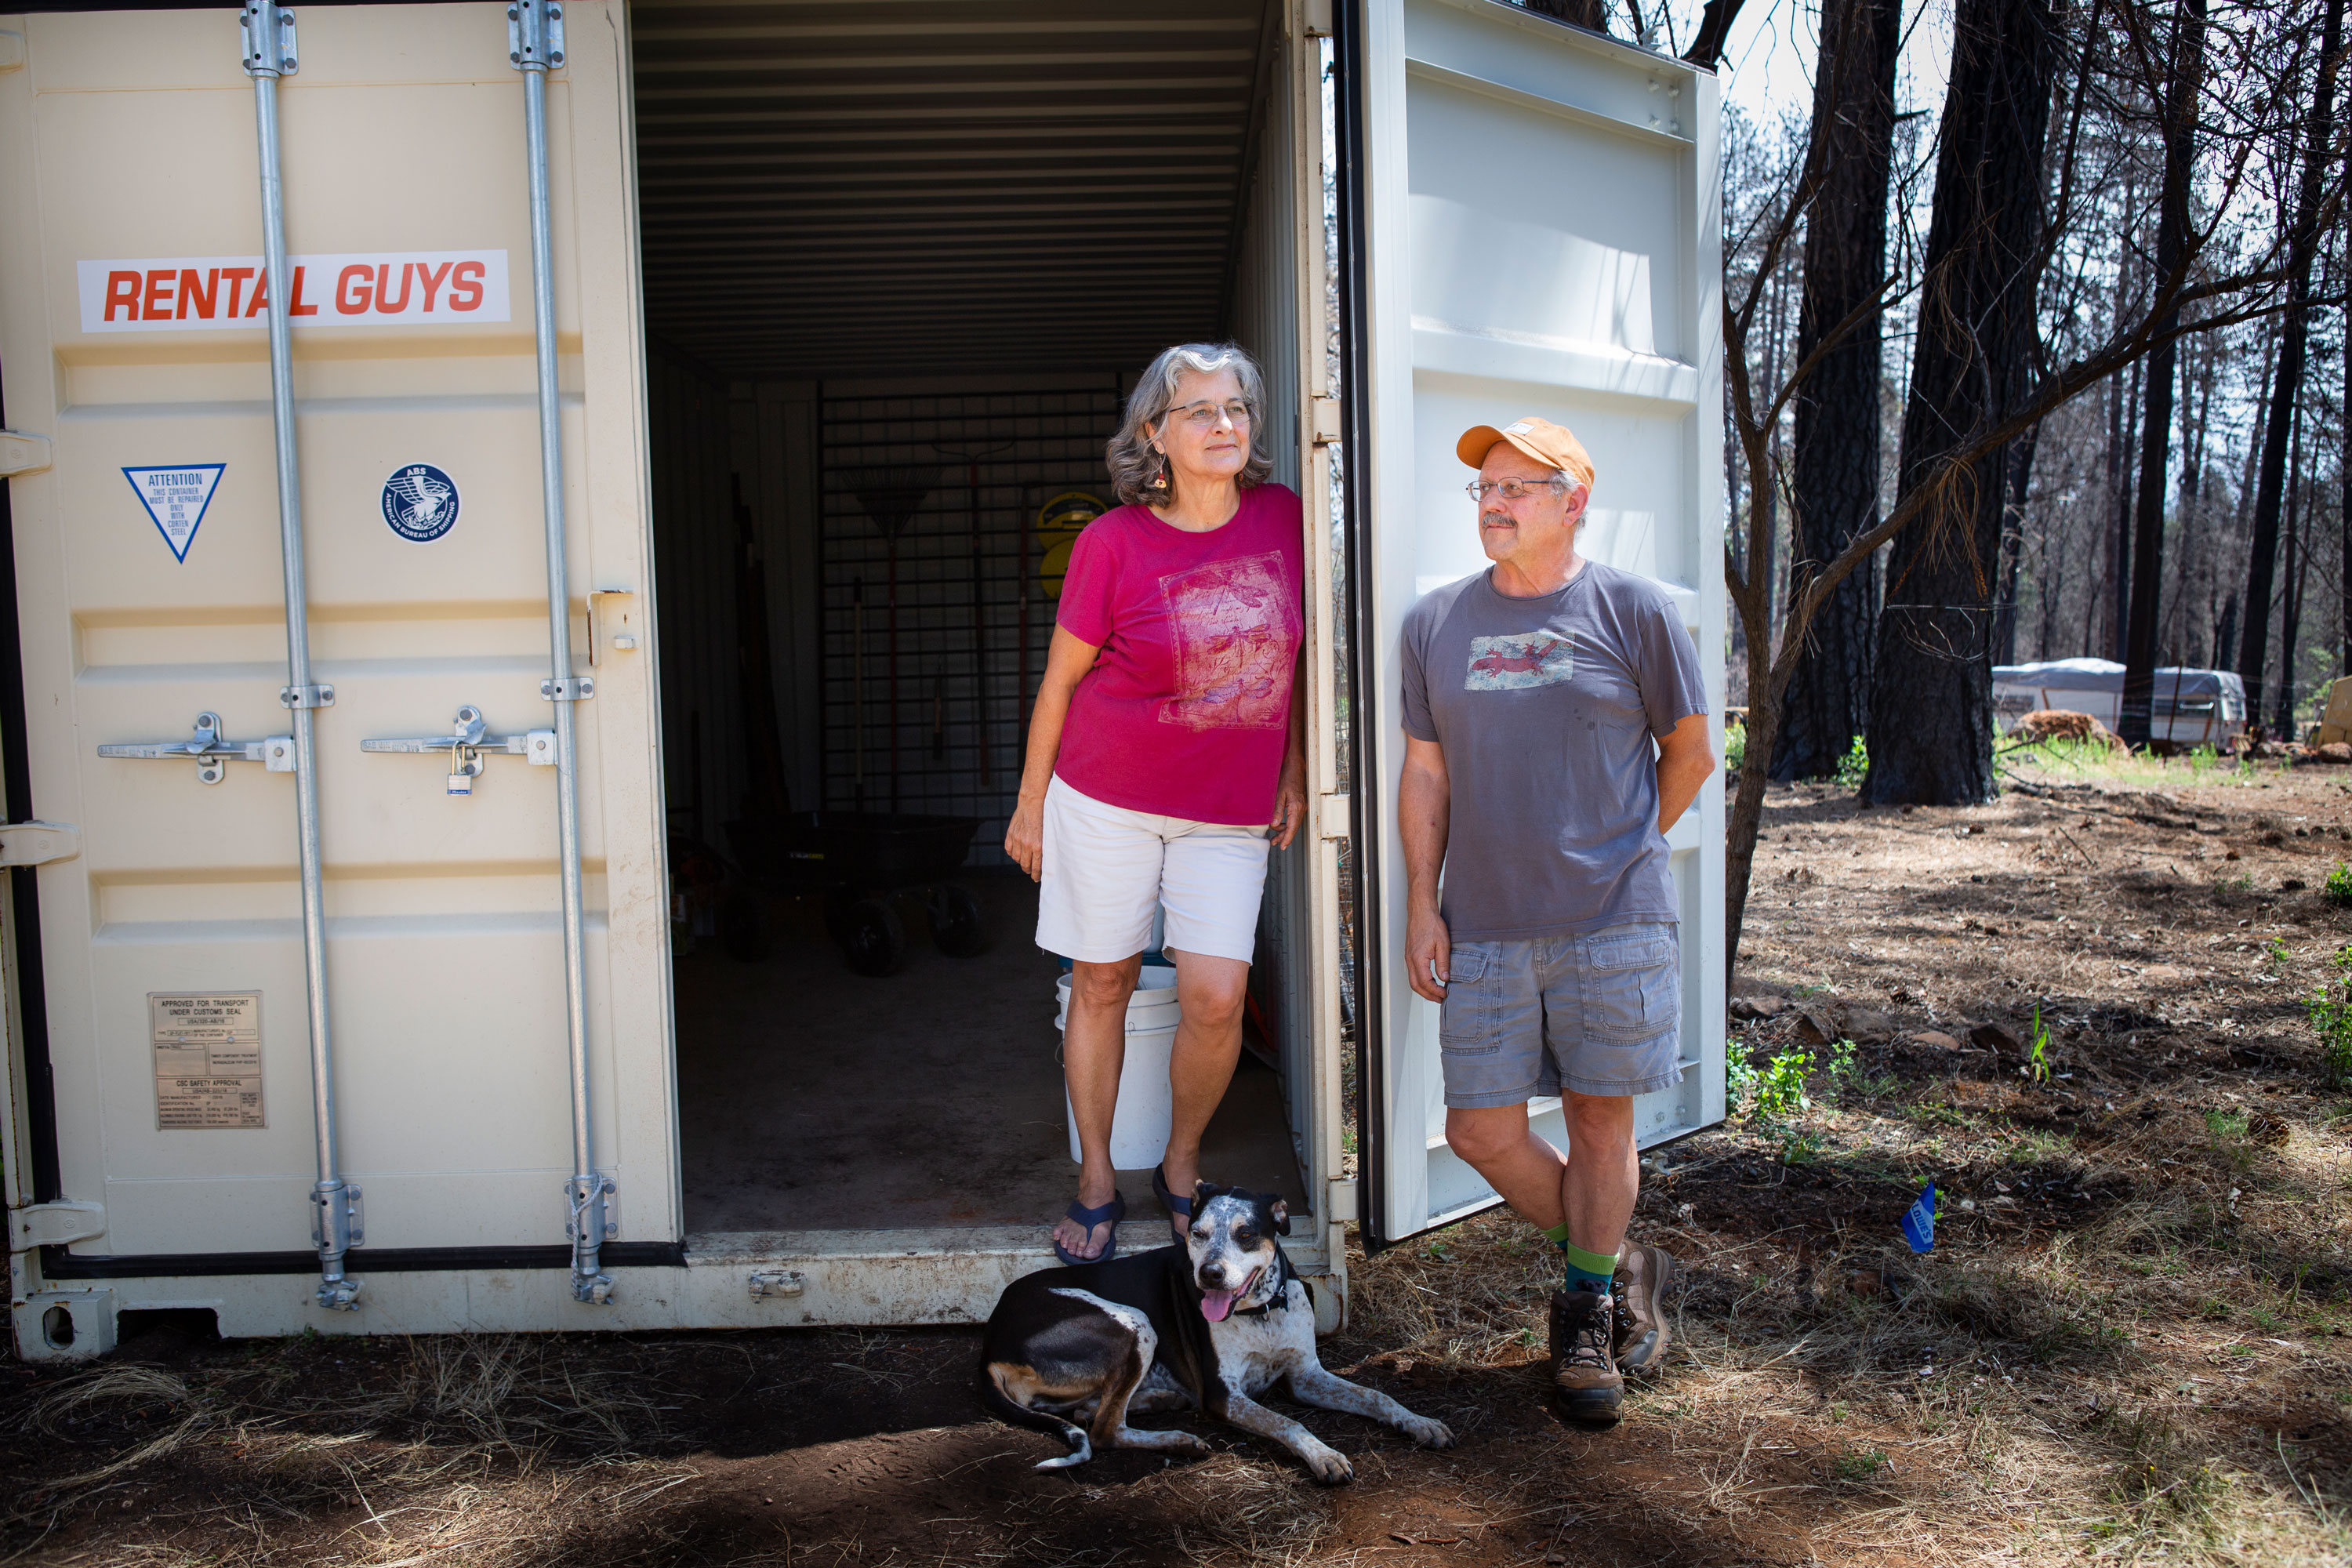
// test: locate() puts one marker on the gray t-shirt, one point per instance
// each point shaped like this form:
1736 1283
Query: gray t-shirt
1547 730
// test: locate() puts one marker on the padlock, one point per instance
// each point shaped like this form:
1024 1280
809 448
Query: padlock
461 783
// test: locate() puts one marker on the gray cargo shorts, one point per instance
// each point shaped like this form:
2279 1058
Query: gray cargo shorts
1598 1011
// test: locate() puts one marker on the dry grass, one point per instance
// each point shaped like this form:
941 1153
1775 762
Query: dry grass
474 1450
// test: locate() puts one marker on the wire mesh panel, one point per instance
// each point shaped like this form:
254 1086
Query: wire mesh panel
938 588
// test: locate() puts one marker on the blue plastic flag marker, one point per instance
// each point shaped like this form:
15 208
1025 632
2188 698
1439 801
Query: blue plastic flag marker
1919 1220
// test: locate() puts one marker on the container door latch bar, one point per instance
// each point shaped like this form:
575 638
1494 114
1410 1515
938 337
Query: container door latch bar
467 743
211 751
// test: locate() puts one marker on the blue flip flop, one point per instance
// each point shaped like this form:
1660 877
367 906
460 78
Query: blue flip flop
1178 1208
1113 1211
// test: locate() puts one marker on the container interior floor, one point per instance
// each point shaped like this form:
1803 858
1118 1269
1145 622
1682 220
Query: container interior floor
811 1098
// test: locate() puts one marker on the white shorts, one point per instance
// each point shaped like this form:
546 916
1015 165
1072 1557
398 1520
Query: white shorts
1108 870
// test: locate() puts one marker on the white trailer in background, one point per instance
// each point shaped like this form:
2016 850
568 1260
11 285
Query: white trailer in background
1528 223
2193 707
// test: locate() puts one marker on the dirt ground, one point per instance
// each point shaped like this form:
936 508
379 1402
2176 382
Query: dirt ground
2132 1342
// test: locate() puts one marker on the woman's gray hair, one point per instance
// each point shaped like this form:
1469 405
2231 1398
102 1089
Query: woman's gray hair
1141 475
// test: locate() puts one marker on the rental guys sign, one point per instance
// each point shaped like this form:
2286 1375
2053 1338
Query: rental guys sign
216 293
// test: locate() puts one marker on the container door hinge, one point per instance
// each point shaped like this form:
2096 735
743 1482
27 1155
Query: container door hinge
54 1225
1326 420
1341 1206
1315 15
777 1283
1337 816
37 843
22 453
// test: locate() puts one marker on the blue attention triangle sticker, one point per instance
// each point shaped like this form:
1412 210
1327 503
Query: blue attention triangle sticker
1919 1220
176 499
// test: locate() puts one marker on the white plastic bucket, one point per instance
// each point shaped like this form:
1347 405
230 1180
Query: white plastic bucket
1139 1126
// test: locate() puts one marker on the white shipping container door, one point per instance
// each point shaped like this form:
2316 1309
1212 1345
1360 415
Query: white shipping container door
128 208
1538 233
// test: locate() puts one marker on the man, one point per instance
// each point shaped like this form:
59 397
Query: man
1533 693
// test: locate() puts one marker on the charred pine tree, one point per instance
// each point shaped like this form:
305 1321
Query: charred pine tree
1930 733
2184 77
2302 245
1834 482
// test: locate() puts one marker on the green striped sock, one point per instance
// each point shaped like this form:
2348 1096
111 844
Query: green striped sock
1587 1271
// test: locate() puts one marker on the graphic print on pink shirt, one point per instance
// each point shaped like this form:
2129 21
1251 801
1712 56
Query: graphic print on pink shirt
1234 644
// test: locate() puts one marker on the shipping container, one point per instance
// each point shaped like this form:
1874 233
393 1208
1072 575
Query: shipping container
674 420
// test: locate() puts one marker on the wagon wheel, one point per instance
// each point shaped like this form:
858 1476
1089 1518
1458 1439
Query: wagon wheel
876 942
958 928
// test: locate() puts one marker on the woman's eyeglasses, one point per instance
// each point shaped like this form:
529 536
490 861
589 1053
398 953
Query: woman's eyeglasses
1513 490
1205 415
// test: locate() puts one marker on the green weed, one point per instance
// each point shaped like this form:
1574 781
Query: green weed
1738 1083
2337 888
2037 1066
1855 766
1860 1464
2330 1011
2225 1127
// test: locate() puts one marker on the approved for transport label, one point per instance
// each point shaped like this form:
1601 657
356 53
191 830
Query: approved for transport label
207 1058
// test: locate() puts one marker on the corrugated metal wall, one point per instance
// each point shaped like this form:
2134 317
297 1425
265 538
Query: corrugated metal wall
703 755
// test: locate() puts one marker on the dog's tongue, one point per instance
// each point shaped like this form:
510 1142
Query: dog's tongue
1215 1304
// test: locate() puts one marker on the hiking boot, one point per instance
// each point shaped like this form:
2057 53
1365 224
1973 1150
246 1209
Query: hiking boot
1639 1288
1584 1375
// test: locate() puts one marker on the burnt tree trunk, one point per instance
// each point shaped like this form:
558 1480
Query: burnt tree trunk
2185 74
1834 483
2012 545
2297 539
1930 732
2303 244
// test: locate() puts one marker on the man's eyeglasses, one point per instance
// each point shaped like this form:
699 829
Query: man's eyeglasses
1513 490
1204 415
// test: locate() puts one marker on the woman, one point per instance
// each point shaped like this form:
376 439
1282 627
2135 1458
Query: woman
1166 752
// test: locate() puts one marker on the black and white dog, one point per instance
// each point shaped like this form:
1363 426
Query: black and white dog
1210 1324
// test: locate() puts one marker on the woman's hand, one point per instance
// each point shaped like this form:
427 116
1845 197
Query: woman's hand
1025 836
1289 803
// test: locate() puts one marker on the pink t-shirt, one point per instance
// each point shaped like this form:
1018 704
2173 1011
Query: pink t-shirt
1187 710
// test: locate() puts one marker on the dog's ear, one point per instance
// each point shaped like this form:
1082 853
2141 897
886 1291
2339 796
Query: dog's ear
1280 1209
1203 1190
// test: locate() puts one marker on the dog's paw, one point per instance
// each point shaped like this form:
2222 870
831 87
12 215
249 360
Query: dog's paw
1328 1465
1199 1447
1430 1433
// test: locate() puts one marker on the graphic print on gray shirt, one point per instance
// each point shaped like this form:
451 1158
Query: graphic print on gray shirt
1546 729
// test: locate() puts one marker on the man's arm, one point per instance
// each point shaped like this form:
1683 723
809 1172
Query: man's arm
1683 761
1424 801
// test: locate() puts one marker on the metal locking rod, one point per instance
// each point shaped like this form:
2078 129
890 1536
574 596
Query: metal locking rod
535 46
211 751
268 32
467 741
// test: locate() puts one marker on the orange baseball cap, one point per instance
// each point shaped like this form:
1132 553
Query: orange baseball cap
1546 442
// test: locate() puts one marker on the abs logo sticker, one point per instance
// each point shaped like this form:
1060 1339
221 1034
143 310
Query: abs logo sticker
420 502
